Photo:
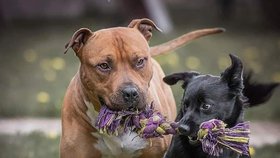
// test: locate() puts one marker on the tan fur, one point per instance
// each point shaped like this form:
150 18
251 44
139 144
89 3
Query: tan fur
122 46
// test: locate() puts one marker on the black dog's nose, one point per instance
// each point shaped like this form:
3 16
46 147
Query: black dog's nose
184 129
130 94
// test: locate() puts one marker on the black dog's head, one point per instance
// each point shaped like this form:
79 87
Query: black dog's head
214 97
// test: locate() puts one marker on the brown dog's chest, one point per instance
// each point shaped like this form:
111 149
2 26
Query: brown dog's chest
126 145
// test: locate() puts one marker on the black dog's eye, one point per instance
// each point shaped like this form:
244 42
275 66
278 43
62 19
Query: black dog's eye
205 106
104 67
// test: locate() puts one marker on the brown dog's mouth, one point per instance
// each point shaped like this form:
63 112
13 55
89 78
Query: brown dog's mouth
117 107
101 100
103 103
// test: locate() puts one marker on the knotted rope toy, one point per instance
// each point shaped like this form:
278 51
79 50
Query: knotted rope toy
147 123
213 134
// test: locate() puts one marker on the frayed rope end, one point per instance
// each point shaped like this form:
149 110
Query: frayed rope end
214 135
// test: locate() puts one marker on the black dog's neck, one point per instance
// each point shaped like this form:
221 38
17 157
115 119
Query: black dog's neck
237 115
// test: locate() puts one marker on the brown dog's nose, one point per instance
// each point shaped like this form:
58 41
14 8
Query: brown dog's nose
130 95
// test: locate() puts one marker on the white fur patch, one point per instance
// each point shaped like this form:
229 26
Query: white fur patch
125 146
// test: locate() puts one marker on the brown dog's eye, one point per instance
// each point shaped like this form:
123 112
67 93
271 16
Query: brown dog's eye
141 62
205 107
104 67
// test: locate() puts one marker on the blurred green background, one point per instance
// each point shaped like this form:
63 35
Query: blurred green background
35 73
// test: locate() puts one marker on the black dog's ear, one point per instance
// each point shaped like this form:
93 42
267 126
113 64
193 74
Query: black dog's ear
78 40
233 75
257 93
181 76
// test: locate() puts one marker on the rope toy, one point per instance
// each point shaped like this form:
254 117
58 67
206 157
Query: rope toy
147 123
213 134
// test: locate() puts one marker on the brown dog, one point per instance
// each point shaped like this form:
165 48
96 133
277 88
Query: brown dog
116 70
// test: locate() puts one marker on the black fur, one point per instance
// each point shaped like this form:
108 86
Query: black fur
207 97
257 93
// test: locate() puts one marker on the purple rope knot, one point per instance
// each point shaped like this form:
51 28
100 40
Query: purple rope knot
214 135
147 123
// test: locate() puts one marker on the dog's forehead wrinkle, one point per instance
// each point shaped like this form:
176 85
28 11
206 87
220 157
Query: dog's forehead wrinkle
119 43
126 43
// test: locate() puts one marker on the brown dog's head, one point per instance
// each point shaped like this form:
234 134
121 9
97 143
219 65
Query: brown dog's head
116 63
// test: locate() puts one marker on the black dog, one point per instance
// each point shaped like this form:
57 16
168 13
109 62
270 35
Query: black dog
209 97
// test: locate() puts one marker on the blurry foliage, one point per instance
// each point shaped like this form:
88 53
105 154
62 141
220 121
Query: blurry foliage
33 145
268 151
35 73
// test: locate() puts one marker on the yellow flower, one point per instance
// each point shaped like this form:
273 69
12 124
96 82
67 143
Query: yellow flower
58 63
30 55
50 75
276 77
192 62
52 135
43 97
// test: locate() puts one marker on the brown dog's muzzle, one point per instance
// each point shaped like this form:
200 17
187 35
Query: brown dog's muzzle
130 96
127 97
133 98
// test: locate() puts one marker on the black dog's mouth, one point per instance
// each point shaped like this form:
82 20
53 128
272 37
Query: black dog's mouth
193 140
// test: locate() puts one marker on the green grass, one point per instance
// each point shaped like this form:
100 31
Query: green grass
269 151
38 145
35 73
35 145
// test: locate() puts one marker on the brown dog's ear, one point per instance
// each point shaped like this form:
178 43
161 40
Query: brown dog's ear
78 39
145 26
